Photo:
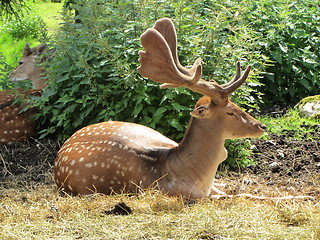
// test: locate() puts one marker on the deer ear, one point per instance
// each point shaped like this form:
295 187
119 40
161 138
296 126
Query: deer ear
41 48
202 111
27 50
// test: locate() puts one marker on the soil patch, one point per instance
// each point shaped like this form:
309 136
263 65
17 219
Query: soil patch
27 163
283 166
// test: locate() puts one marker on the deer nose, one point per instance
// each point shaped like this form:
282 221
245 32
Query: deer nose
263 127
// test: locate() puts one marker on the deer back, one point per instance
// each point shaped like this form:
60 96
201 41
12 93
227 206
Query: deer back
16 122
110 157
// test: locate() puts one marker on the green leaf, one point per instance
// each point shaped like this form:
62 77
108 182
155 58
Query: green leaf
160 111
174 122
137 109
305 83
277 56
179 107
283 48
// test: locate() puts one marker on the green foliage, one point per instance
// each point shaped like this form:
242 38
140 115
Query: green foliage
292 124
25 26
8 8
93 76
93 71
239 154
289 36
4 69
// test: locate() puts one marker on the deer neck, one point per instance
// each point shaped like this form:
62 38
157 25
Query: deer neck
195 161
37 79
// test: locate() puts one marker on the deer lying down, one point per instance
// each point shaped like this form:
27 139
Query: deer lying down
16 125
118 156
124 157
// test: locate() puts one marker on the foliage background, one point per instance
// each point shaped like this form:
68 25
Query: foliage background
289 34
93 75
95 64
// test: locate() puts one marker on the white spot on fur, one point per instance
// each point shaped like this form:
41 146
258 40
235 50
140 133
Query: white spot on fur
88 165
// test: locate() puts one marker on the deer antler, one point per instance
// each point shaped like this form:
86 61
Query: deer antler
159 62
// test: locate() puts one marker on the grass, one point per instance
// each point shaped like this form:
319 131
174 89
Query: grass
12 48
50 12
292 123
41 213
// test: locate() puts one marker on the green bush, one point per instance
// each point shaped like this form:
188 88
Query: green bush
93 76
29 25
4 69
239 154
289 37
94 67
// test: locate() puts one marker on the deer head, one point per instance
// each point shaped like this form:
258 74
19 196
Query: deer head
28 68
159 62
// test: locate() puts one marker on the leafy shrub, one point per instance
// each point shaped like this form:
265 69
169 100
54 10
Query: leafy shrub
93 70
239 154
25 26
9 8
95 64
289 36
4 69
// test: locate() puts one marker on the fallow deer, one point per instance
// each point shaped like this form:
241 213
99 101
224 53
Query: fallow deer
125 157
16 124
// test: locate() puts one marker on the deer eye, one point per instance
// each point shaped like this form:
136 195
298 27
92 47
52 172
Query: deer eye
230 113
20 63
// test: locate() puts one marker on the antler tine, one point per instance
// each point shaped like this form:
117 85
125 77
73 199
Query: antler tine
166 27
237 81
236 76
157 62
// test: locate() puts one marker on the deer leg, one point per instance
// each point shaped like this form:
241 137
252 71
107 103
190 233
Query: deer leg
216 191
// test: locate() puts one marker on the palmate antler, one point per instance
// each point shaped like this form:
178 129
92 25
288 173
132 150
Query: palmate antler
159 62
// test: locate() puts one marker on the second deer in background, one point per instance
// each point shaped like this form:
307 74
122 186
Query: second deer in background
125 157
16 124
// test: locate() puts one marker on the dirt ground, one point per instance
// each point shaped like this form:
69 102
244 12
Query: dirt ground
283 166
